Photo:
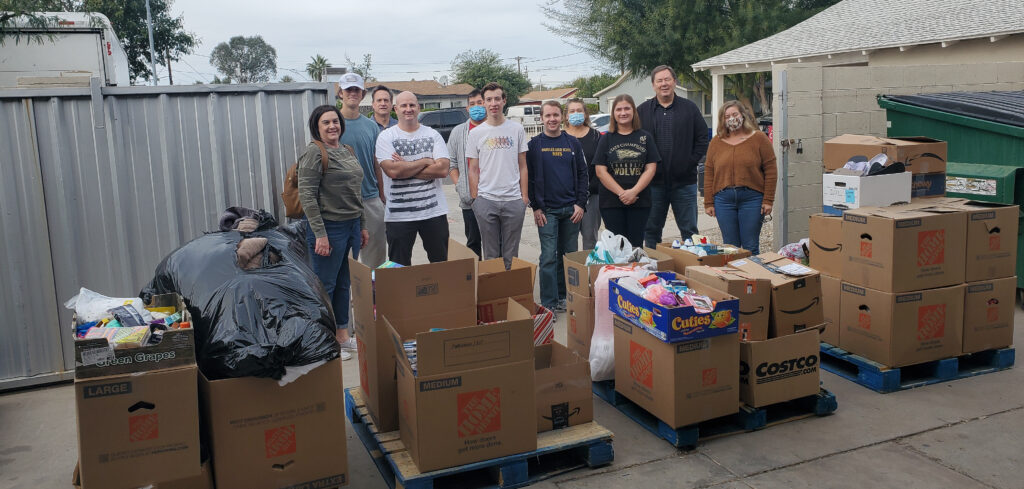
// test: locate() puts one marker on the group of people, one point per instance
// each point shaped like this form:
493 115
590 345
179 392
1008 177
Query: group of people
382 186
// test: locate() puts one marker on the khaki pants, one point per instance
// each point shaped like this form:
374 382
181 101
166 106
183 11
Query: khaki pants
375 251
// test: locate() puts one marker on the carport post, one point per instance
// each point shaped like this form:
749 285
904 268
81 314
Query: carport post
717 97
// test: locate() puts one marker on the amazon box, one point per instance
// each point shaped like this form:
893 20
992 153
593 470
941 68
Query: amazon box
682 258
796 292
830 300
920 154
579 323
679 383
753 293
470 396
779 369
988 314
826 244
414 298
680 323
899 329
562 386
991 240
580 277
495 284
901 249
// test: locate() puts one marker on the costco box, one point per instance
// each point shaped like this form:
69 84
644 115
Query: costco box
920 154
579 323
202 481
830 300
682 258
495 284
562 387
263 435
991 240
796 292
580 278
415 298
674 324
679 383
898 329
826 244
779 369
903 249
753 293
842 192
471 396
988 314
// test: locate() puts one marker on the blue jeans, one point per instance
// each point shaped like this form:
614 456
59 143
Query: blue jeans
683 199
557 238
738 210
332 270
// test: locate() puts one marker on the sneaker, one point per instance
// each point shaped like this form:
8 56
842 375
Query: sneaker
345 355
561 307
350 344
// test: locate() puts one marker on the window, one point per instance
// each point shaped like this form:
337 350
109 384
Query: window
459 103
453 117
430 118
430 105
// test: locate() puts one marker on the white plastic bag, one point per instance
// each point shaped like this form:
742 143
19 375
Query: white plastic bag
614 248
602 351
90 306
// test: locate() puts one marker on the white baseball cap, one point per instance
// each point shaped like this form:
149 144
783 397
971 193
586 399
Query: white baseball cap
349 80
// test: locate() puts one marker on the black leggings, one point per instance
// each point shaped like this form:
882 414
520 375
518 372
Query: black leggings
627 221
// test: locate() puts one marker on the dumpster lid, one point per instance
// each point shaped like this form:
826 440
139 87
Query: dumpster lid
979 170
1002 107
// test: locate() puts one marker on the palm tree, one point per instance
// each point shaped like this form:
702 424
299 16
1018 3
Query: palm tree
316 67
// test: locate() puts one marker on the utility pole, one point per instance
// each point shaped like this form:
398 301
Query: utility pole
519 65
167 56
152 54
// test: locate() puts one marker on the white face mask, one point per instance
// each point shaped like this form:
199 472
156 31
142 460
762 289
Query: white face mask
734 123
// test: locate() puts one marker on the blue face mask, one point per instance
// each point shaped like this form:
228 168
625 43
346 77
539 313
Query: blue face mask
477 113
576 119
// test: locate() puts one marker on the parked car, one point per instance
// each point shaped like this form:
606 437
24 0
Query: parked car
444 120
600 122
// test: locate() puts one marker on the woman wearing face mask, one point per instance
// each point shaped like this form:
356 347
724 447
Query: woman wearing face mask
578 126
739 177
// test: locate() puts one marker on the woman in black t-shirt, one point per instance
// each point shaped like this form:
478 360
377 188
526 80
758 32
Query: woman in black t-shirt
578 126
626 160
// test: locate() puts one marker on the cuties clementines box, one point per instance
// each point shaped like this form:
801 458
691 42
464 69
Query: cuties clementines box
675 324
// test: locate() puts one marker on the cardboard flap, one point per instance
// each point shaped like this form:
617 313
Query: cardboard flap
474 347
517 312
397 343
494 282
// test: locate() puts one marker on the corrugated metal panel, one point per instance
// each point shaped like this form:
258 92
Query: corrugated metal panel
125 178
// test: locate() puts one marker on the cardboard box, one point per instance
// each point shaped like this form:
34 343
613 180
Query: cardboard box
903 249
675 324
580 278
991 240
928 185
919 154
543 319
754 293
472 396
562 388
263 435
679 383
682 258
779 369
988 314
139 428
842 192
826 244
796 300
414 298
579 323
830 301
202 481
495 284
898 329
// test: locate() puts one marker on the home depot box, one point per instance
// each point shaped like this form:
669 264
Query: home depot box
562 387
826 244
580 278
898 249
579 323
264 435
681 323
682 258
202 481
414 298
920 154
138 429
830 300
679 383
471 396
753 293
495 284
991 239
779 369
898 329
840 192
796 292
988 314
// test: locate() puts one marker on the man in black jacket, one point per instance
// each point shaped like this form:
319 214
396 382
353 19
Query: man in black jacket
682 138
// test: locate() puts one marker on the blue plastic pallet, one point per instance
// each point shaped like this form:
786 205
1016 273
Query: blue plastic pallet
883 379
558 451
745 420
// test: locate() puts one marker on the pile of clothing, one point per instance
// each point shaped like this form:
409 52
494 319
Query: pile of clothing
700 245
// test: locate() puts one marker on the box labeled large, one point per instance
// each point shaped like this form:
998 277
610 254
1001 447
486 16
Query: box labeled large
988 314
415 298
681 259
679 383
919 154
898 329
779 369
903 249
830 301
991 240
796 292
495 284
470 396
579 323
674 324
754 294
267 436
562 386
825 245
842 192
580 277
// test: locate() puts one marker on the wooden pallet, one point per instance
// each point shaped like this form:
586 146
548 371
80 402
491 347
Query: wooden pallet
558 451
883 379
745 420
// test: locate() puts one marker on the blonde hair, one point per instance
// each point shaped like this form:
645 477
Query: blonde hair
613 125
748 118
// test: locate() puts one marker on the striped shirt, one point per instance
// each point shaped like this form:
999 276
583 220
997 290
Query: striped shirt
412 199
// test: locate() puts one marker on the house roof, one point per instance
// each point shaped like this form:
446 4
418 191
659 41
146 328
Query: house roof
424 87
861 26
542 95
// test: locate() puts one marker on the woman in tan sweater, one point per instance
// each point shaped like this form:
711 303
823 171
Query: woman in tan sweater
739 177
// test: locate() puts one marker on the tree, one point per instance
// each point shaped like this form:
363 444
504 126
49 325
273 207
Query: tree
286 79
245 59
589 85
483 66
363 69
315 68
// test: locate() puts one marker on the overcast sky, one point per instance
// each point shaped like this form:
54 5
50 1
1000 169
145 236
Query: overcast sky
408 39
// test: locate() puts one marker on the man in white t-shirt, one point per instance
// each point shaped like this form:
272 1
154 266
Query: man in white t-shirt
496 151
414 159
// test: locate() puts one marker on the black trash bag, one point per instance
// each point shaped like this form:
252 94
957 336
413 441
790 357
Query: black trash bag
250 322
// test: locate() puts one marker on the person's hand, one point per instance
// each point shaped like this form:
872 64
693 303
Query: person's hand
526 200
709 210
383 199
396 157
540 218
577 214
766 209
365 238
323 247
625 196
